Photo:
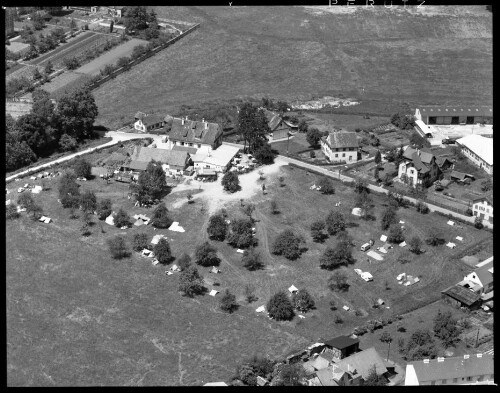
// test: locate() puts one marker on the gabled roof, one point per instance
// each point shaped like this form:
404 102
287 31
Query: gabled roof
138 165
463 295
318 363
170 157
273 119
441 161
221 156
420 161
487 198
342 139
325 376
191 150
454 367
362 362
140 115
194 131
341 342
484 275
460 175
480 145
149 120
437 110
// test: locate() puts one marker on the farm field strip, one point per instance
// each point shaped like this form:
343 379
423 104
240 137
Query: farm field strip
110 57
24 71
62 48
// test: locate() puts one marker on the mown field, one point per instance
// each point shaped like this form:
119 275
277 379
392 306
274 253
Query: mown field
77 317
291 53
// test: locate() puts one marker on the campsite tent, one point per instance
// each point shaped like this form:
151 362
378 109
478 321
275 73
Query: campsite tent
139 222
260 309
375 255
110 219
292 289
214 270
356 211
383 238
403 244
175 227
156 239
213 292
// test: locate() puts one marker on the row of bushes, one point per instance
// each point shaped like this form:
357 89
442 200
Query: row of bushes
374 324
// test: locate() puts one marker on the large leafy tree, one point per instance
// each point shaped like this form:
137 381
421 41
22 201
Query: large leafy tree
334 257
253 126
88 202
82 168
228 302
136 18
104 208
280 307
240 235
302 300
118 247
151 185
264 154
230 182
206 255
287 243
162 251
69 191
161 217
335 222
313 136
122 219
190 282
217 227
445 327
252 259
388 217
77 112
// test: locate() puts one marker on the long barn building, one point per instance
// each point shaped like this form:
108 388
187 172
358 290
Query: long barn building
434 114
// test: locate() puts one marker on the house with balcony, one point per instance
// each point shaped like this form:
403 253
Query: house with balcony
419 167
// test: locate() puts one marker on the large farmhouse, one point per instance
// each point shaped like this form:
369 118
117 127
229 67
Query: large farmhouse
435 114
201 135
279 128
483 208
218 160
340 146
173 162
479 150
419 167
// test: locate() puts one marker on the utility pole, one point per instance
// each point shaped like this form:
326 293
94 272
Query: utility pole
287 142
477 337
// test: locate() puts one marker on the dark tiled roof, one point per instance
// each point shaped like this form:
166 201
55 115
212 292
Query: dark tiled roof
462 294
441 161
436 110
342 139
488 198
484 275
363 362
455 367
190 150
326 377
194 131
460 175
138 165
419 161
170 157
152 119
341 342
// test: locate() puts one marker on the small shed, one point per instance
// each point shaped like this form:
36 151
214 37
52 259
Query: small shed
383 238
461 297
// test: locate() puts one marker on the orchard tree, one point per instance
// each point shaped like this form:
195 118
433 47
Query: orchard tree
287 243
104 208
445 328
241 234
69 192
217 227
161 217
151 185
122 219
77 112
335 222
184 261
303 126
162 251
228 302
387 339
378 157
230 182
388 217
140 241
313 136
118 247
25 200
88 202
435 237
334 257
49 68
415 244
11 212
252 260
190 282
264 154
206 255
326 185
395 234
317 231
279 307
338 281
302 300
365 203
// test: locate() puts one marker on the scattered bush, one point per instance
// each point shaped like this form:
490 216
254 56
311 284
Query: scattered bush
190 282
326 185
206 255
140 242
161 217
11 212
338 281
279 307
317 229
335 222
122 219
228 302
287 244
338 319
104 209
118 247
184 261
395 234
217 227
422 208
162 251
252 260
302 300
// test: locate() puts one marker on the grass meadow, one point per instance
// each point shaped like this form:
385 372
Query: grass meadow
75 316
378 56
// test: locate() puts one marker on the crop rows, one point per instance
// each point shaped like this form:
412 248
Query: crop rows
25 71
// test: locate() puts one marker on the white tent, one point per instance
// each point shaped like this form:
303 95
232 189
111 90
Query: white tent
356 211
460 238
168 273
292 289
139 223
383 238
382 250
42 218
366 276
401 222
346 308
403 244
110 219
240 251
146 251
401 276
20 209
301 317
358 271
213 292
260 309
7 202
47 220
175 268
155 262
451 222
175 227
374 255
214 270
33 178
451 245
156 239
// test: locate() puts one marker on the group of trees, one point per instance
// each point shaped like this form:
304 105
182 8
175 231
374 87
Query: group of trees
151 185
404 118
254 128
280 106
138 21
338 255
288 244
46 129
42 43
313 136
231 182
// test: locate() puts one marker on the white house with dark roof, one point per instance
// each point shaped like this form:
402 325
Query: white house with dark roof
147 123
202 135
483 207
173 162
218 160
419 166
340 147
481 279
479 150
460 370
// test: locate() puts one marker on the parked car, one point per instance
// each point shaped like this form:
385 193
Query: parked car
81 179
365 247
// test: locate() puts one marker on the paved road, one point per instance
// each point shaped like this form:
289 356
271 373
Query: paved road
117 138
122 136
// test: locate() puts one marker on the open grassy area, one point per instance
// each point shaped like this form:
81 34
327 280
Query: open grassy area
295 52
